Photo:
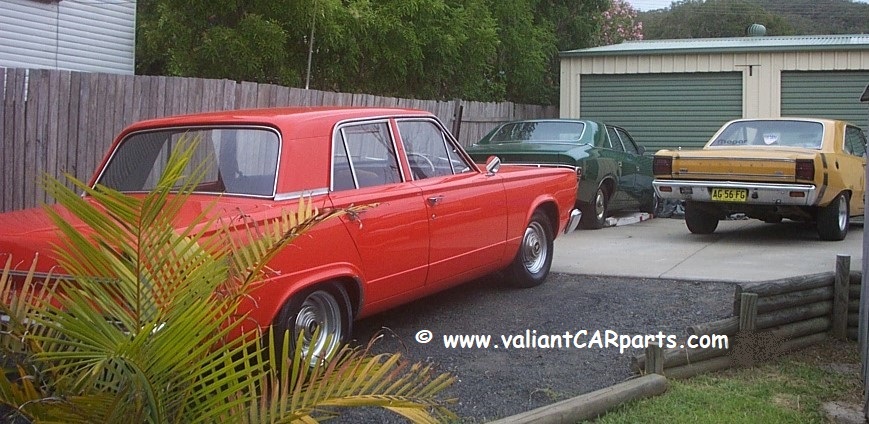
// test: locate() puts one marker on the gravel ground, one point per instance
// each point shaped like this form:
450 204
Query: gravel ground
498 382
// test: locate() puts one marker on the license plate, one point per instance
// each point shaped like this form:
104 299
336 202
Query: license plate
729 195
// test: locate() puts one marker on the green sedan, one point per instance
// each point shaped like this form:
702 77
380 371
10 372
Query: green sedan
614 175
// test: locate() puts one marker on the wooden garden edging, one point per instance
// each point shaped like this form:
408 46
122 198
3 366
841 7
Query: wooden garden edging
591 405
771 318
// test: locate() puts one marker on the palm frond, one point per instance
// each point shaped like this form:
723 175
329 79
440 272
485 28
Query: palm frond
353 378
139 332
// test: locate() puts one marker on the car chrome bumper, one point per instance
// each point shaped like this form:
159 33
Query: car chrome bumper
573 221
758 193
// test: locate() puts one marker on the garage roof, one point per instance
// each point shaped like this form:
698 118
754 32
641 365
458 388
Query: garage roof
800 43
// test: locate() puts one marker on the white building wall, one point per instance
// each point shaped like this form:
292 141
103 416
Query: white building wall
78 35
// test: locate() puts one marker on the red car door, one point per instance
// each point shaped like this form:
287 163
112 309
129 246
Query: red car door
391 237
467 210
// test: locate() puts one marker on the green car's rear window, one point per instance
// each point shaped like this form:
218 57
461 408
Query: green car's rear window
538 132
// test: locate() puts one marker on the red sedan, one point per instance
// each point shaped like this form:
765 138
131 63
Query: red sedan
439 220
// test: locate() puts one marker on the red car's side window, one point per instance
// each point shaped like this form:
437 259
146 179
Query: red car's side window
364 156
429 152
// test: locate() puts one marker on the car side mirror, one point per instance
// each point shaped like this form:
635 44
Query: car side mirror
642 150
493 164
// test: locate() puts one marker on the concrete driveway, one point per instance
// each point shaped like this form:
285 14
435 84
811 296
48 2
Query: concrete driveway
740 250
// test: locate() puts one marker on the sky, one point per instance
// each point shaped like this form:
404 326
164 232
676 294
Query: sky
644 5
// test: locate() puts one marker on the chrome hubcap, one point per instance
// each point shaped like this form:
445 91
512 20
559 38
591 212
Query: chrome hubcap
843 213
599 205
320 312
534 248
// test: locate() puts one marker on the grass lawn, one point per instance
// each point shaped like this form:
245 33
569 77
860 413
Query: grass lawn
790 389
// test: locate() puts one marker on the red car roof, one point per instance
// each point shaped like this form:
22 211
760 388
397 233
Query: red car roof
276 116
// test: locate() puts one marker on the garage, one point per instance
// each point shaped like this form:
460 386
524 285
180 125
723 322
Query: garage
653 107
676 93
825 94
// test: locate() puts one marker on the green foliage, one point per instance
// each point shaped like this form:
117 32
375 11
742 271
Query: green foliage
481 50
731 18
149 339
711 19
821 16
408 48
526 48
576 25
213 39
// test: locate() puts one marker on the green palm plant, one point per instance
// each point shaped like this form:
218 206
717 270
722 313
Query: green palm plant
139 332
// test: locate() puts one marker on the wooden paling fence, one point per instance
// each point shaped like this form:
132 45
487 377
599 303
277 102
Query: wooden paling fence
770 318
54 122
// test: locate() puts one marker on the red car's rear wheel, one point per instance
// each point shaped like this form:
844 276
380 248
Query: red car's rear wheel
321 316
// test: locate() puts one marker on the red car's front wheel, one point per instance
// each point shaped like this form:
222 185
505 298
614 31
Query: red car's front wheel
534 259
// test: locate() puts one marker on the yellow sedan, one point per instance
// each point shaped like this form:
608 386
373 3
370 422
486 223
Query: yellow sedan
802 169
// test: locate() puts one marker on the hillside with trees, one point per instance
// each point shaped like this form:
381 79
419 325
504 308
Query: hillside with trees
731 18
822 16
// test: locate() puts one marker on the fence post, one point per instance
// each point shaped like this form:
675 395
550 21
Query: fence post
863 324
840 297
457 117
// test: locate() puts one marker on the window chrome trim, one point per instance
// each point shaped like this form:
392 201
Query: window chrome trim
280 197
449 141
206 127
339 130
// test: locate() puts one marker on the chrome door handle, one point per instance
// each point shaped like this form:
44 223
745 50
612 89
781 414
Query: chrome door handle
434 200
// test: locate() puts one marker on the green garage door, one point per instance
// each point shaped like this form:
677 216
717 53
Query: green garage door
664 110
825 95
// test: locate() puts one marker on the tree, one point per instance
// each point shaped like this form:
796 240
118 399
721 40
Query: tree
217 39
410 48
821 16
781 17
163 356
620 24
428 49
432 49
524 51
576 25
